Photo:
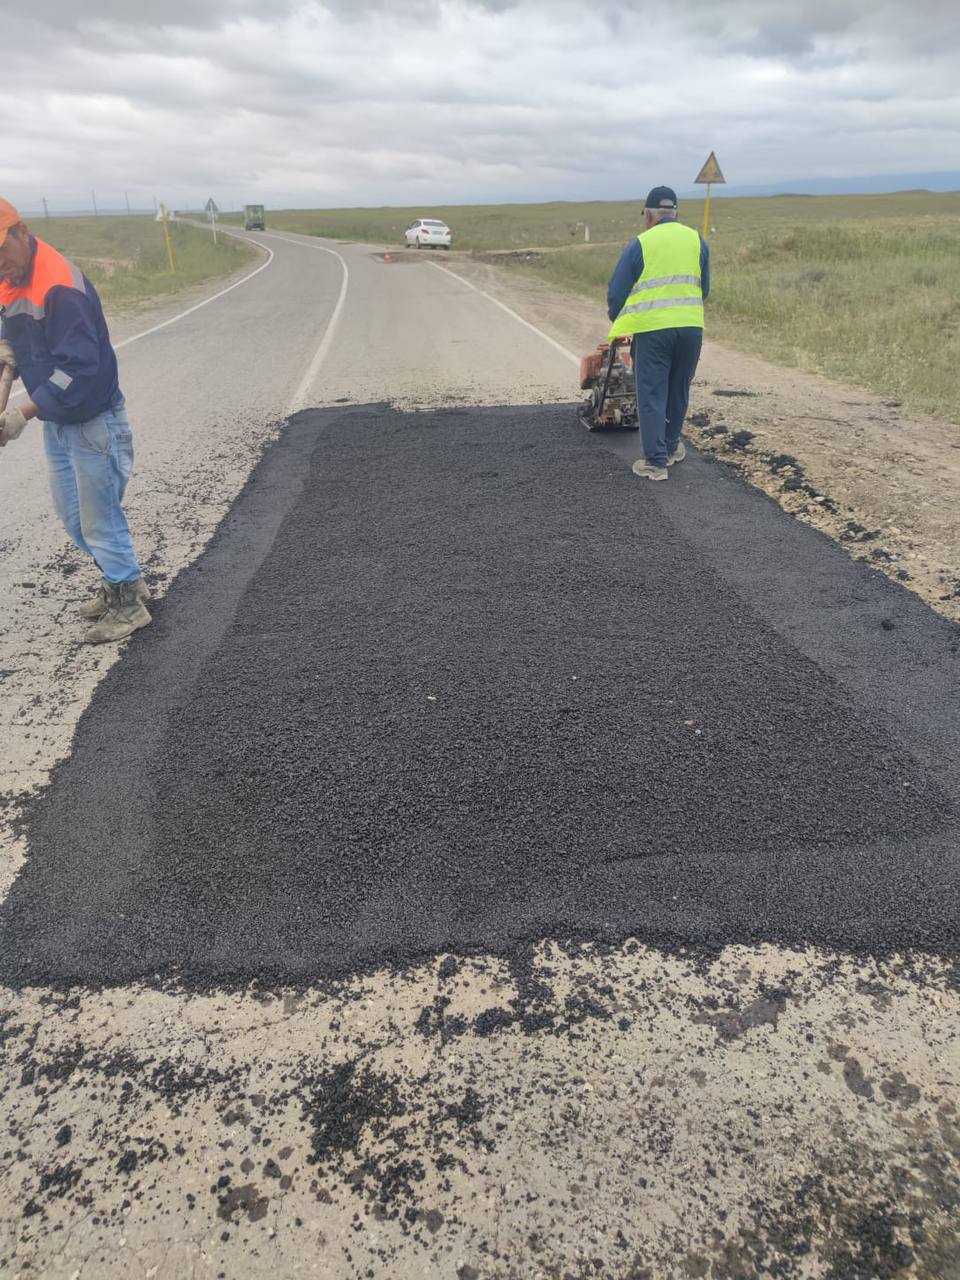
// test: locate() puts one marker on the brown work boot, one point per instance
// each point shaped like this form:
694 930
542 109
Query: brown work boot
97 607
125 613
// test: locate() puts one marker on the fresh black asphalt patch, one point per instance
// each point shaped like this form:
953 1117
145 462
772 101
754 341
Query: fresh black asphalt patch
458 680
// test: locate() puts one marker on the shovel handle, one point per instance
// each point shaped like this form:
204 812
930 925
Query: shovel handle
6 382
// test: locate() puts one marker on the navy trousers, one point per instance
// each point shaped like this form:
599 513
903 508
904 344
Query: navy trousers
664 363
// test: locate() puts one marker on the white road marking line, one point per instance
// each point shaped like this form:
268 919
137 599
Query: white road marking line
510 312
205 303
299 399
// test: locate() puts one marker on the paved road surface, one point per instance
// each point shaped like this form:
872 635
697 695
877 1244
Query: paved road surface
449 688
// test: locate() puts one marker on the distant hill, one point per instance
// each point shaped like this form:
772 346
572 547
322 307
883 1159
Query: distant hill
862 184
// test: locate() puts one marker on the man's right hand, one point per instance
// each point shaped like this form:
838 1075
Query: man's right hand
7 356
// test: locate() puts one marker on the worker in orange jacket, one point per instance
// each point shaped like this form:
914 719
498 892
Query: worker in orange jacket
53 332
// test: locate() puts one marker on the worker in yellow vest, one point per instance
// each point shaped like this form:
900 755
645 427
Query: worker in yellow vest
655 297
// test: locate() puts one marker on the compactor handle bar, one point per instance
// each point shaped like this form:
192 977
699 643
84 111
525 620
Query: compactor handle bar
616 342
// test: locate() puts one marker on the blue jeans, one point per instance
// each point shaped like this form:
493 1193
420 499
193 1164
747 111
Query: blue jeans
90 464
664 362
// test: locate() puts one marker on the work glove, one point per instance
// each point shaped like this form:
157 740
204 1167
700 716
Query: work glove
12 423
6 354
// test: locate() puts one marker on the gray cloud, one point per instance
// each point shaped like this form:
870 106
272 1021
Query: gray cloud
68 16
376 102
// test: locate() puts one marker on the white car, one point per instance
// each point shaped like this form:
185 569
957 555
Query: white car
428 233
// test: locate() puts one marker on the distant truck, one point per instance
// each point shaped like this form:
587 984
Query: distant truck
253 217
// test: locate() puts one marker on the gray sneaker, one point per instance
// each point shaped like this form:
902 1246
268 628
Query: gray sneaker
94 609
644 468
678 454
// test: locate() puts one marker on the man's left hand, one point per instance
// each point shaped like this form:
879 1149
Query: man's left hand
12 423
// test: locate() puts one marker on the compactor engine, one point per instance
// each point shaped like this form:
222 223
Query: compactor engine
607 374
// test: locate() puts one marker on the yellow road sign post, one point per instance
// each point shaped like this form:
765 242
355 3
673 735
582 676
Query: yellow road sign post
166 236
710 173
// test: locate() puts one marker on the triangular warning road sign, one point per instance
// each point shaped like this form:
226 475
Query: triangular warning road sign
710 171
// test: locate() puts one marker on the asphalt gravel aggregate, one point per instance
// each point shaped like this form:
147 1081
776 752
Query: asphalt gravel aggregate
457 681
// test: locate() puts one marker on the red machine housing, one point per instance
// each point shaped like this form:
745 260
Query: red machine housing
607 373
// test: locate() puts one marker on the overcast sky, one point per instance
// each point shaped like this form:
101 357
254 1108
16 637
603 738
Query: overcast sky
297 102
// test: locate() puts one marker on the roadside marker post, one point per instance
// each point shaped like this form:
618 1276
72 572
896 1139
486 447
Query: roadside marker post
212 211
166 235
709 174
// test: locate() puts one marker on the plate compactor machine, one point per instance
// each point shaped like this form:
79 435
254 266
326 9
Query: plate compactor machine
607 374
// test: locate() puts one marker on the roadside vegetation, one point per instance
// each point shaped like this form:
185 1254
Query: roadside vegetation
127 261
865 289
874 303
475 227
523 226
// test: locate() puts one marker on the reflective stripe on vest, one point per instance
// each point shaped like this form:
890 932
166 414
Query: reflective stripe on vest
660 304
668 294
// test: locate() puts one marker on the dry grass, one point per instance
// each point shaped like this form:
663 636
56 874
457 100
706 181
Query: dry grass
873 302
126 259
558 224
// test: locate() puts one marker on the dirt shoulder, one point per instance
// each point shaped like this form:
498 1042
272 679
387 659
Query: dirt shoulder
881 482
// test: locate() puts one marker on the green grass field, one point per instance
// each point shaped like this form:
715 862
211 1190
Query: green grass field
126 259
865 289
872 300
515 226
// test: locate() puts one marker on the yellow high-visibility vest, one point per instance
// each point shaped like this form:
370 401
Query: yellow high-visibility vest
668 294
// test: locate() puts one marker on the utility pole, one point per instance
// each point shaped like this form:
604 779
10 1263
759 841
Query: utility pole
126 197
96 211
46 211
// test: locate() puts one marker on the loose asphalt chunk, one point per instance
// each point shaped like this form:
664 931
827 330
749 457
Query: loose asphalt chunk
458 680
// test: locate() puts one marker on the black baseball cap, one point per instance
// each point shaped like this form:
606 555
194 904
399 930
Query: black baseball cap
661 198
